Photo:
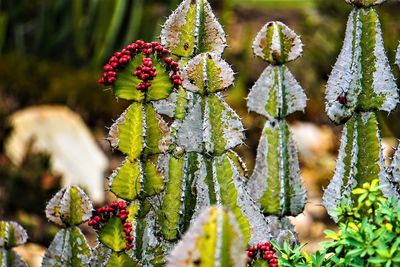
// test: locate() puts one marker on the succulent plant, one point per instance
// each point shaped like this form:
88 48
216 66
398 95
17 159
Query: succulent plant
276 183
361 84
203 169
69 208
398 56
213 239
11 235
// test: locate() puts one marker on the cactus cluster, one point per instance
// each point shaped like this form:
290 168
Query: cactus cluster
11 235
361 84
275 182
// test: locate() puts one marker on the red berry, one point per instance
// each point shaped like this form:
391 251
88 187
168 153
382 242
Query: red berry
177 82
101 80
165 51
108 68
123 60
112 79
158 48
139 43
127 224
167 60
154 44
114 64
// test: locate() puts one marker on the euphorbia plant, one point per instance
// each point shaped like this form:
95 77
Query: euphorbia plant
202 168
275 182
361 84
11 235
69 208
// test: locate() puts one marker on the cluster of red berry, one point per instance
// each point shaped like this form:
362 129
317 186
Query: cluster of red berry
147 71
265 251
114 209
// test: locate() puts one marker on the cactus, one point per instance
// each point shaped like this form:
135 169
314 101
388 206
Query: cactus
275 182
202 168
361 83
11 235
144 74
69 208
214 239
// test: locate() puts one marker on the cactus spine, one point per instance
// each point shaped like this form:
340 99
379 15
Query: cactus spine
275 182
361 83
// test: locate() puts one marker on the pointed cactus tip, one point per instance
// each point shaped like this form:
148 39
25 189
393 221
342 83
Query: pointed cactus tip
207 72
193 29
70 206
12 234
213 234
277 44
365 3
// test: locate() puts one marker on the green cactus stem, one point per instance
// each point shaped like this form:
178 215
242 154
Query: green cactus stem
275 182
11 235
69 208
361 80
202 166
193 29
214 239
361 84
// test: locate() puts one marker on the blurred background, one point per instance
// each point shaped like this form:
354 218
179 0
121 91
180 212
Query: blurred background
54 116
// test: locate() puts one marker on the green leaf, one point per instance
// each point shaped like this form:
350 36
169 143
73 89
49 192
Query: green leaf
193 29
126 83
170 210
125 181
112 235
157 135
121 260
153 182
126 134
68 248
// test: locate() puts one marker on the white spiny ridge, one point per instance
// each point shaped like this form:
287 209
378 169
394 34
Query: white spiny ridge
398 56
354 80
282 46
185 33
360 148
59 210
262 181
68 246
276 81
9 258
217 74
214 232
12 234
276 184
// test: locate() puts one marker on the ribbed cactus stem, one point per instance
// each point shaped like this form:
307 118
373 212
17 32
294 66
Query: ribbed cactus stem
203 168
213 240
275 182
69 208
11 235
361 83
